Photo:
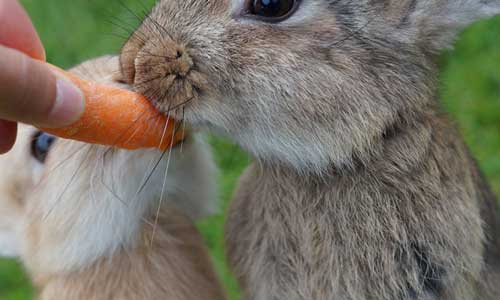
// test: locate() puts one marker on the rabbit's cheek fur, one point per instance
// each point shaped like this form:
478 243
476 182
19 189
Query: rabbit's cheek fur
16 179
88 212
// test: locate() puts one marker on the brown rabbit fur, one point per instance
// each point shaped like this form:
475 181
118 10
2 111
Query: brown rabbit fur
84 231
175 266
361 189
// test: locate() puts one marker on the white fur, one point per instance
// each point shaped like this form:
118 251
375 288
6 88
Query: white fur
86 203
16 167
9 235
110 210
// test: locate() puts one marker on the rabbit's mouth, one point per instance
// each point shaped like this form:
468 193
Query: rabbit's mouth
165 73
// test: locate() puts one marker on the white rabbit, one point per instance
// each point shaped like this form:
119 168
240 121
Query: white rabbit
92 222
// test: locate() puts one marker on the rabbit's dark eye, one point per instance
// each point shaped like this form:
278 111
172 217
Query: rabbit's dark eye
272 10
41 144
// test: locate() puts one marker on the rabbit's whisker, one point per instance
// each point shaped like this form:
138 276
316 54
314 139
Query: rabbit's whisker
141 19
183 120
57 166
66 187
147 175
108 187
164 185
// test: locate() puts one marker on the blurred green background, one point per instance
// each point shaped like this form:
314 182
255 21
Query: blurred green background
76 30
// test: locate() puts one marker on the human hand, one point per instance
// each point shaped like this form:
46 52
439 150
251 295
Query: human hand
29 91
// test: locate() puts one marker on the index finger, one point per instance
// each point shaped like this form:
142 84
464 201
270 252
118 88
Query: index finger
17 31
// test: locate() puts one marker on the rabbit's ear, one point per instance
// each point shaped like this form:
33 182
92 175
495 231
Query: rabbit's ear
439 21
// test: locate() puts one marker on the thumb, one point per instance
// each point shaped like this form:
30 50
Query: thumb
32 93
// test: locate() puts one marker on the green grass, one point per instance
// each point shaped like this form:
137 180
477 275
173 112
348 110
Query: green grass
75 30
471 93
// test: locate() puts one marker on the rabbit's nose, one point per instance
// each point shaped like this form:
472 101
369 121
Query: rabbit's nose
181 65
156 55
163 71
162 59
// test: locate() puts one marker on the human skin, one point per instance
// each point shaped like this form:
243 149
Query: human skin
29 92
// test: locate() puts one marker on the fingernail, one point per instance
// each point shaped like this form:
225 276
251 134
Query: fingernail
69 104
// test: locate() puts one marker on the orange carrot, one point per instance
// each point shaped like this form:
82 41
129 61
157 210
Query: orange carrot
119 118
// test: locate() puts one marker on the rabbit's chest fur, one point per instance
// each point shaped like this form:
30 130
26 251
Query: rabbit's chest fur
408 226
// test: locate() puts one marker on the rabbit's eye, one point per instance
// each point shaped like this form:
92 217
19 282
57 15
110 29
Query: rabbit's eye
272 10
41 144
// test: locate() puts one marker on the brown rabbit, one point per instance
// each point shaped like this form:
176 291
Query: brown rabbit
361 188
87 223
